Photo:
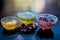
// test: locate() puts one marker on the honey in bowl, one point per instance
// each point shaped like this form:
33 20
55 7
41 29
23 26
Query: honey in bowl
26 17
9 23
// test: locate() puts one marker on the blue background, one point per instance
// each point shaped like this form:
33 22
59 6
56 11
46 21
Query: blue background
55 29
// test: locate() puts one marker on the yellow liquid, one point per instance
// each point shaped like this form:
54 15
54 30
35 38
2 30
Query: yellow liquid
8 25
27 21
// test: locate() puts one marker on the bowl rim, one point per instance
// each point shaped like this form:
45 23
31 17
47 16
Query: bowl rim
49 16
27 11
8 17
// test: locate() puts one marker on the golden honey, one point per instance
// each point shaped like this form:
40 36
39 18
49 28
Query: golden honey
9 23
26 21
26 17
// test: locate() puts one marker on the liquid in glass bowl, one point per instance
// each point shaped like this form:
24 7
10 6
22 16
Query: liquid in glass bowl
26 17
9 23
46 21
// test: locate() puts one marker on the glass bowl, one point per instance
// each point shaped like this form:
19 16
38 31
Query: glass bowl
46 21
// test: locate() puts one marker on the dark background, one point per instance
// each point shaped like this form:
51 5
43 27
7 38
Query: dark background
52 7
1 7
